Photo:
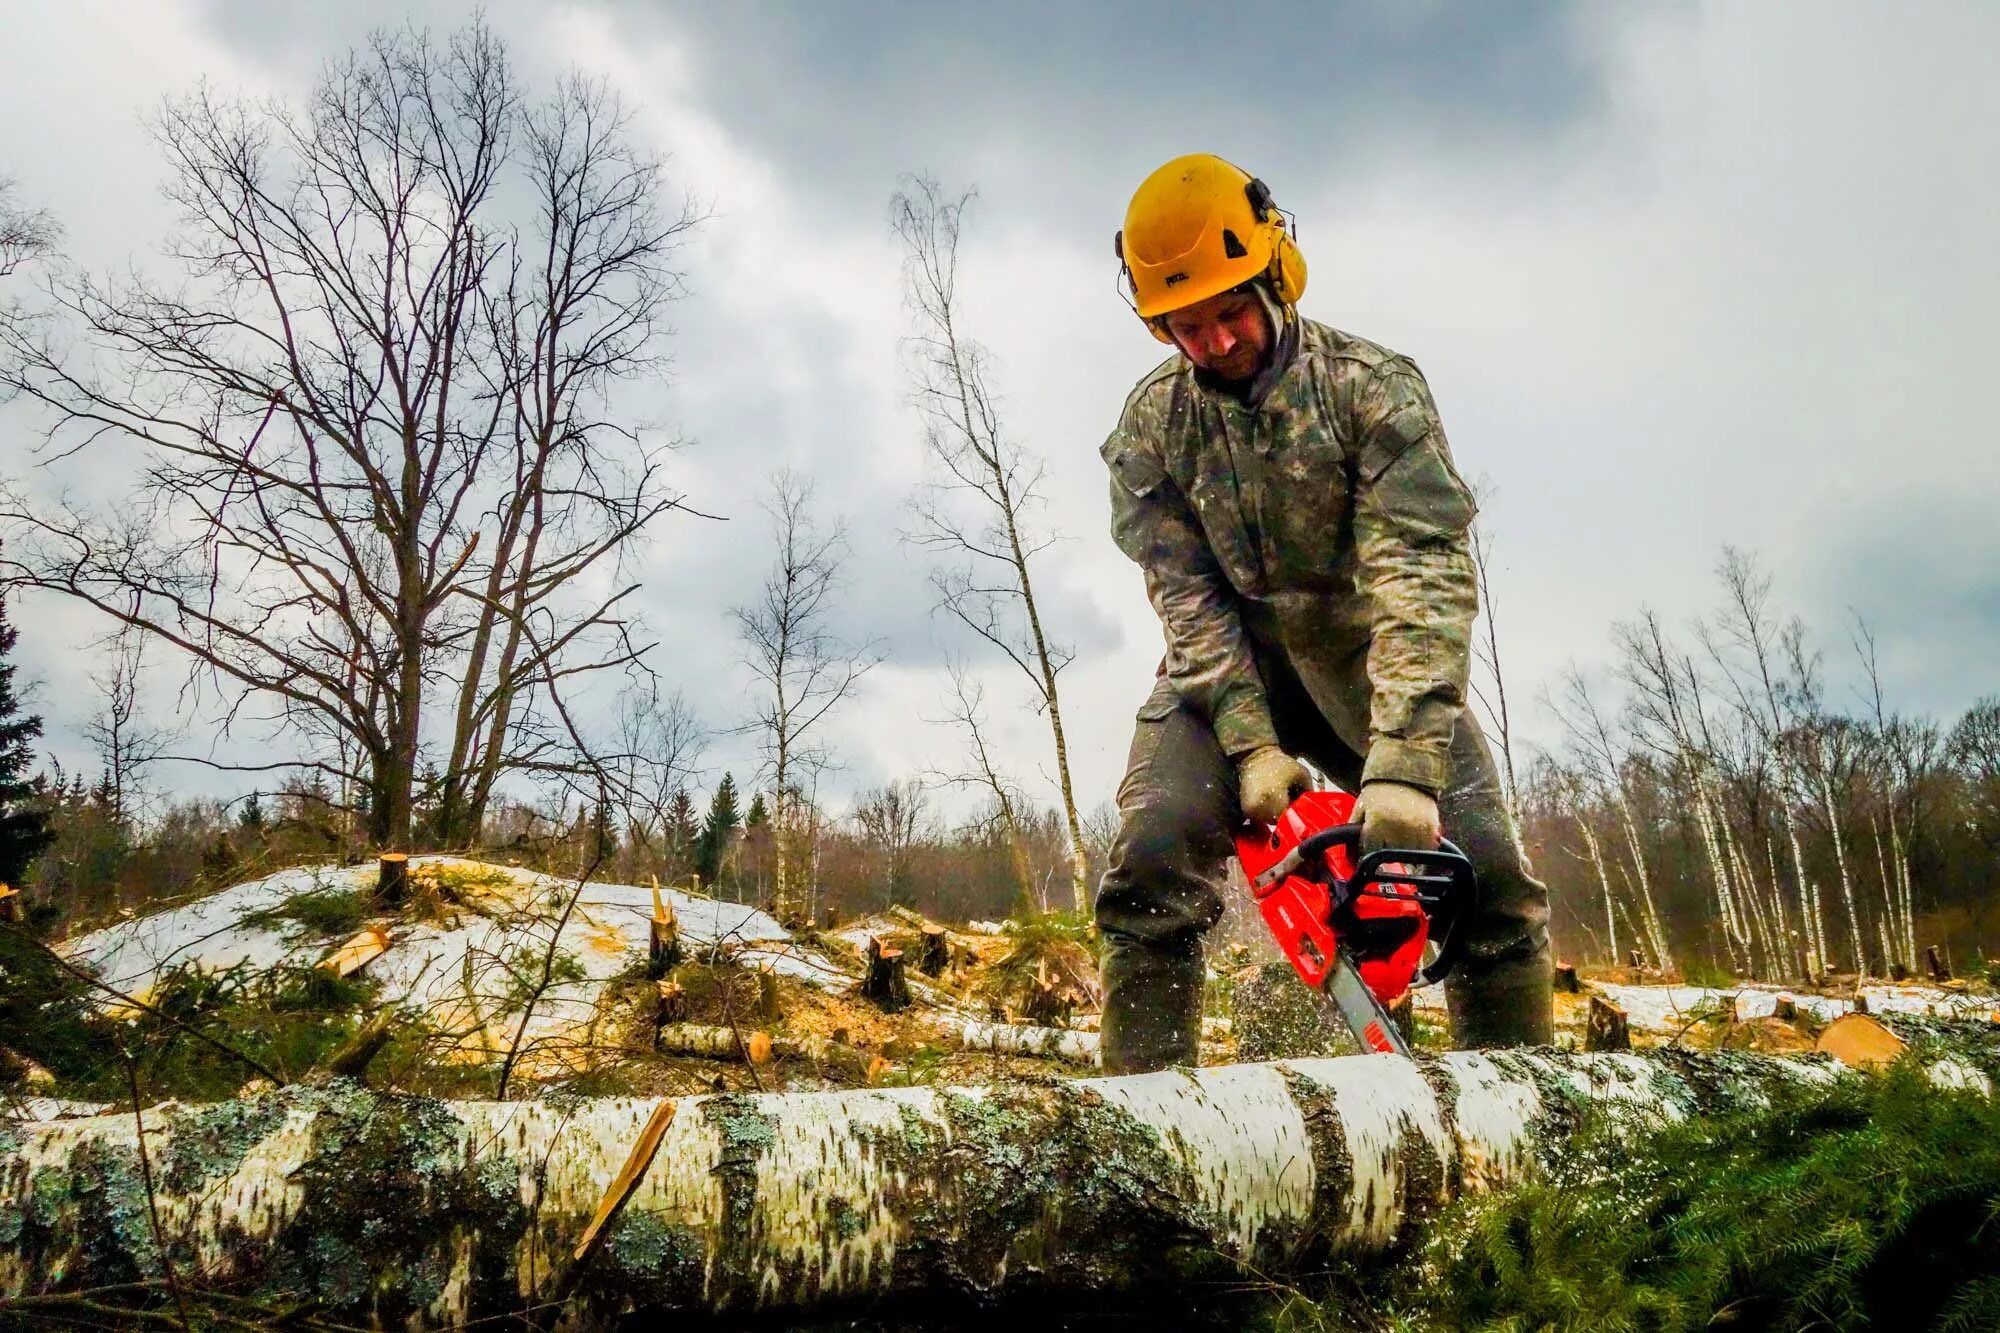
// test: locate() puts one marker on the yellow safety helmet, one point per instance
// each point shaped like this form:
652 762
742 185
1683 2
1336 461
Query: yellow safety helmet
1199 226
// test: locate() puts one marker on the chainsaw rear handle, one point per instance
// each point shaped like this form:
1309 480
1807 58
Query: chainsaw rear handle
1445 872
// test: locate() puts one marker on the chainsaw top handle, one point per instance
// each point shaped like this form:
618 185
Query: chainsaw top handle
1443 878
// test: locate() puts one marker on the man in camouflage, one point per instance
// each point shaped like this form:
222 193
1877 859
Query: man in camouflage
1289 494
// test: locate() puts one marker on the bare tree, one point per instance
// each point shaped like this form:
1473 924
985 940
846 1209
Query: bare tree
649 768
376 464
804 670
976 518
25 233
894 818
1910 751
1491 693
1600 763
1748 655
966 713
126 743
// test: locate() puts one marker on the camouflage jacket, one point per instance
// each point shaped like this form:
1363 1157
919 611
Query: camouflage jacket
1322 525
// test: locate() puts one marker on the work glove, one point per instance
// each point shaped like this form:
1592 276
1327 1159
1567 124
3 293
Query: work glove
1267 780
1395 814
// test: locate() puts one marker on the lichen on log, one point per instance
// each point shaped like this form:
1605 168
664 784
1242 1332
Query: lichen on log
404 1210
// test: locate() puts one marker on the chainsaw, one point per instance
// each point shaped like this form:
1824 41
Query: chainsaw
1355 927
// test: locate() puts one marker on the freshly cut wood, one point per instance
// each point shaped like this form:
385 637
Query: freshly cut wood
1013 1039
392 878
627 1180
10 904
885 981
1786 1008
673 1003
1607 1029
404 1211
357 953
1861 1042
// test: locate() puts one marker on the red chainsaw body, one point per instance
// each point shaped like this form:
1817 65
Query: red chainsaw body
1299 907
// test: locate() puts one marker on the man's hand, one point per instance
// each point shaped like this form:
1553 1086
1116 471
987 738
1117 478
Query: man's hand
1395 814
1267 780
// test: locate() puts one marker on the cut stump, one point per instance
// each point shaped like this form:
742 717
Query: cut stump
392 877
885 982
1608 1028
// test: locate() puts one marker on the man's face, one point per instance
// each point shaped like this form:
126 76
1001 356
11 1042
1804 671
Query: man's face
1228 335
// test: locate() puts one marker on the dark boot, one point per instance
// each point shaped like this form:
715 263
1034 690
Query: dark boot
1152 1005
1508 1003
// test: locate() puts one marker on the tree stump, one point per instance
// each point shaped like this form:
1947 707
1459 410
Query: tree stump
885 982
1938 968
10 905
1049 1003
392 879
1898 973
827 919
673 1007
770 1006
1786 1008
933 951
1608 1029
1860 1003
1634 961
1566 979
663 942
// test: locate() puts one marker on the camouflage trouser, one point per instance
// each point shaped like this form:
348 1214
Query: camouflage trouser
1160 894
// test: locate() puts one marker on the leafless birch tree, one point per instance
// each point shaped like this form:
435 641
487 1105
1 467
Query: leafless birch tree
368 417
976 518
802 667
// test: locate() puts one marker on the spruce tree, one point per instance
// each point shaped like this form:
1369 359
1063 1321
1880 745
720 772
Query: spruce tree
716 832
24 816
759 815
683 831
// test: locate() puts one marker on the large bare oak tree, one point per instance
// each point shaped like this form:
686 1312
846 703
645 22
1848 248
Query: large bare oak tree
379 492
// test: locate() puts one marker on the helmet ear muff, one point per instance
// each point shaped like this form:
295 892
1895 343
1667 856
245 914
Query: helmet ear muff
1287 274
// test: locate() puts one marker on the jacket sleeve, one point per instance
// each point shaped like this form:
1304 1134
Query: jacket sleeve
1412 515
1208 652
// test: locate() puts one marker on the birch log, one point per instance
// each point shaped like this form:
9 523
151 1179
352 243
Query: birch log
402 1211
1016 1039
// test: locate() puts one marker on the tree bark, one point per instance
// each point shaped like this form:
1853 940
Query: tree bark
396 1210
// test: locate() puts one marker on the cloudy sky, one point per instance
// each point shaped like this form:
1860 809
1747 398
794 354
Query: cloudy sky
1680 276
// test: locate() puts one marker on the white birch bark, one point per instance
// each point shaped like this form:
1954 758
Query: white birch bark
406 1211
